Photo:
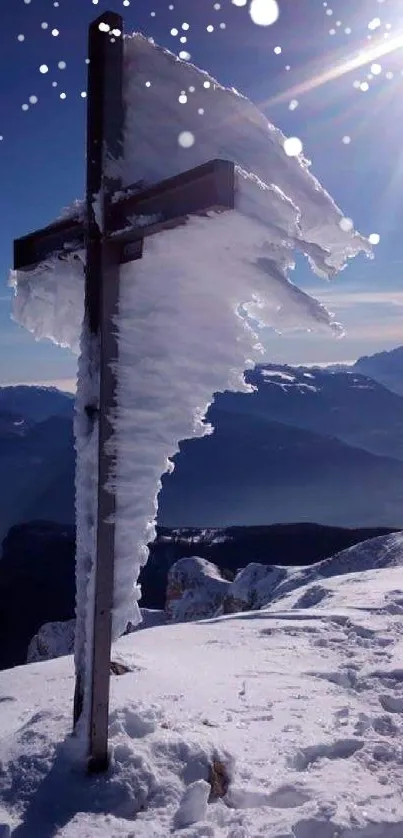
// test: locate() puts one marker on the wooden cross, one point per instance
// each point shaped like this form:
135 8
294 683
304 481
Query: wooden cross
195 192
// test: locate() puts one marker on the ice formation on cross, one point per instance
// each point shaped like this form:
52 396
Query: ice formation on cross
191 309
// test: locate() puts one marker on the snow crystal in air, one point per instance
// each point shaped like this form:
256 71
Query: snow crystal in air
185 56
277 50
346 139
21 38
374 238
376 69
44 25
63 95
264 12
44 69
182 98
55 33
62 65
33 100
346 224
186 139
292 146
374 23
25 107
293 104
364 86
239 2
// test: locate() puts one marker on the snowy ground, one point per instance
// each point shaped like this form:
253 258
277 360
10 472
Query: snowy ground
304 706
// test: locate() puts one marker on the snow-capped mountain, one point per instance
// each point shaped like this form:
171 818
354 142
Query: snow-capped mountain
36 403
385 367
299 448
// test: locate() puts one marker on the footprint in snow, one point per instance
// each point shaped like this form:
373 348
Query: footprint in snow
340 749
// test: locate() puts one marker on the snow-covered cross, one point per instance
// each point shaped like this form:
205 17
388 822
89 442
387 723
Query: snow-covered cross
110 240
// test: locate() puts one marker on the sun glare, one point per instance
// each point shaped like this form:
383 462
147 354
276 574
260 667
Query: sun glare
368 55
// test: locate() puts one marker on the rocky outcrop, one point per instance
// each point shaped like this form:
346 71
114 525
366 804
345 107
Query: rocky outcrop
54 640
195 590
252 588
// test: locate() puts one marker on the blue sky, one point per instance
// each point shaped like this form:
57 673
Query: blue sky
42 150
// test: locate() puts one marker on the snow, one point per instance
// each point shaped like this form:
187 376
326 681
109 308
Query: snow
190 311
195 589
53 640
298 711
384 551
254 586
284 376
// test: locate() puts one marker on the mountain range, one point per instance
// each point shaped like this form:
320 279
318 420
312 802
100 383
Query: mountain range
300 448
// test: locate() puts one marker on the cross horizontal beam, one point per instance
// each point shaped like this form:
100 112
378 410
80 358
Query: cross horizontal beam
209 187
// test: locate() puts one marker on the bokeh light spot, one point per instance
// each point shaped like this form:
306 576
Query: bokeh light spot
264 12
293 146
186 139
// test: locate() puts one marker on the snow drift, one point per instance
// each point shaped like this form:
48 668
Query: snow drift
191 310
302 709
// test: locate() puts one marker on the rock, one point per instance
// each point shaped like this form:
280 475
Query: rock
54 640
195 591
253 587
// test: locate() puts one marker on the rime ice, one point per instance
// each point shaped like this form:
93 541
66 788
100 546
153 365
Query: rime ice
191 309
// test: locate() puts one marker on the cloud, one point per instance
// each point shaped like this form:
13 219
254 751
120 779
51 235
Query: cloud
349 299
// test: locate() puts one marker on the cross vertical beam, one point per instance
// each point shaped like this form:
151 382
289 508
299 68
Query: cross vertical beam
111 237
105 117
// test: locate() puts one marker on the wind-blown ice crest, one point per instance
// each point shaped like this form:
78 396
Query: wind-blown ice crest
190 311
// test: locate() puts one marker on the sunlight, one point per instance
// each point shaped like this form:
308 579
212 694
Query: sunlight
369 54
